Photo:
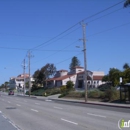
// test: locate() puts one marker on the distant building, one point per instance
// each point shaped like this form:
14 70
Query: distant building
18 82
76 75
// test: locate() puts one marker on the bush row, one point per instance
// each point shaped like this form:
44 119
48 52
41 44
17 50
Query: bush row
110 94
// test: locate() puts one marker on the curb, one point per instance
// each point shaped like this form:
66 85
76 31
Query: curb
108 105
91 103
26 96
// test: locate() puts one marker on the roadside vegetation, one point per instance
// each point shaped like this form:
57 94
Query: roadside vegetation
102 93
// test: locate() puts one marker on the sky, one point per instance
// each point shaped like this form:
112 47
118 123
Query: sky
51 30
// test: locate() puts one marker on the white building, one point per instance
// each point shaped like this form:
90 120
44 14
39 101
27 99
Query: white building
94 79
18 82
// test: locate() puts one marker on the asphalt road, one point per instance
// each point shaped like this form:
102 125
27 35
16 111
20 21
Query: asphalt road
33 114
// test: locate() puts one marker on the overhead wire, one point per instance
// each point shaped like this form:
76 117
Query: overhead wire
109 29
57 51
68 59
77 24
104 15
96 34
78 28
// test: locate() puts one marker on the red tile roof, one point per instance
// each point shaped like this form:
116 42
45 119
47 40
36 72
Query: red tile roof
61 78
63 70
78 67
97 77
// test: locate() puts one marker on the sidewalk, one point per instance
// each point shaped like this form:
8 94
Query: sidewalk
55 98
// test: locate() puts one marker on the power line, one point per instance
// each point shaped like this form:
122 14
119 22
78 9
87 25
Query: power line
77 24
35 49
104 10
68 58
109 29
14 48
61 37
105 15
88 36
57 51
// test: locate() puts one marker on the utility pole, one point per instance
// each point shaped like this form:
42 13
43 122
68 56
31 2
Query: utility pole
29 57
24 88
85 61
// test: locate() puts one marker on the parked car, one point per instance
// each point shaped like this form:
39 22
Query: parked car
11 92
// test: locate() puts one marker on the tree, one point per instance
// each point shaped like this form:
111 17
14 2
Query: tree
74 62
38 76
69 85
126 76
48 70
105 78
113 76
43 74
5 86
126 66
127 3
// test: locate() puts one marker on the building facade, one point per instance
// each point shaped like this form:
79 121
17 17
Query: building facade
18 82
76 75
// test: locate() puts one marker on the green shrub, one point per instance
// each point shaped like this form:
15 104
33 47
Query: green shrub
63 88
104 87
69 85
112 94
102 94
51 91
82 94
74 94
94 93
27 93
62 95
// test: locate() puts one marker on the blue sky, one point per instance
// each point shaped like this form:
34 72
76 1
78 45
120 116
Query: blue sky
26 24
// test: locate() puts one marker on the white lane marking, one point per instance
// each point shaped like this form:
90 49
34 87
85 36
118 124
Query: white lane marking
13 124
37 103
4 116
34 110
96 115
69 121
58 107
0 111
8 101
18 105
48 100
